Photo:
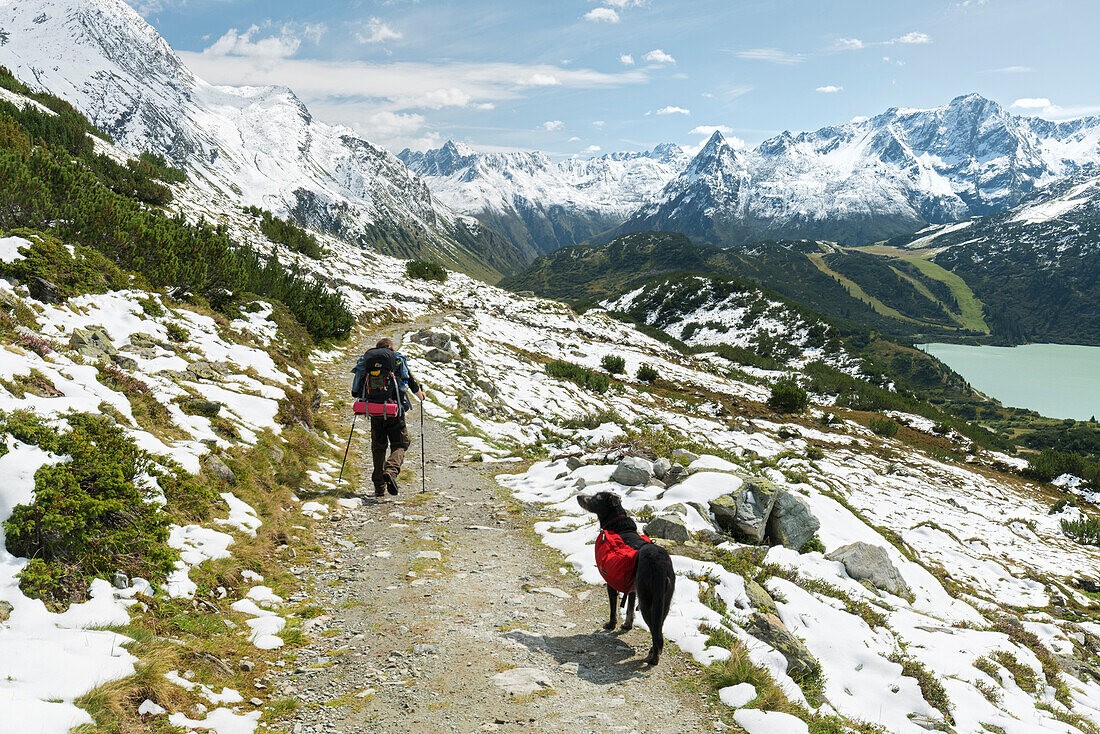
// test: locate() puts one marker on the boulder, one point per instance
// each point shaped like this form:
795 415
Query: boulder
490 389
439 356
656 483
791 523
760 599
126 363
573 463
710 537
661 467
669 527
770 629
220 469
44 290
632 470
201 406
120 580
142 340
676 473
202 370
466 402
929 723
92 342
684 456
746 512
871 564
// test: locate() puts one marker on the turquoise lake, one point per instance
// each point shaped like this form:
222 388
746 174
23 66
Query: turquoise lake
1057 380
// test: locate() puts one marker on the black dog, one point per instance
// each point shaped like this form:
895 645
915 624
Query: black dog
654 579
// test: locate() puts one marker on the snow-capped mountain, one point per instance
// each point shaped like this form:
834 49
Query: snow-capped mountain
540 203
868 180
260 143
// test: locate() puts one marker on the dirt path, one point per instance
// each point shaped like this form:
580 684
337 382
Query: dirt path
427 597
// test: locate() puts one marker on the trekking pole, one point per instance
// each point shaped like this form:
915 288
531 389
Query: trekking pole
341 477
423 463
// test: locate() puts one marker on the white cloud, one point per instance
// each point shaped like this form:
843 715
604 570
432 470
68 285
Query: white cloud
598 124
235 43
620 4
573 139
913 37
1010 70
551 125
894 62
602 15
375 31
848 44
592 149
1032 103
626 59
709 130
539 80
829 89
770 55
312 32
673 110
657 56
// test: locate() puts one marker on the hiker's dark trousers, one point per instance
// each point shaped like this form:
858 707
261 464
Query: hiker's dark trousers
391 435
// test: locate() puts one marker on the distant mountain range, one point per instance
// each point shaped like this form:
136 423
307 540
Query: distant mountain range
259 143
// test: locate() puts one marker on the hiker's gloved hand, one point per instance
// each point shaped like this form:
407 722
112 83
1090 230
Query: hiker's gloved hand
420 396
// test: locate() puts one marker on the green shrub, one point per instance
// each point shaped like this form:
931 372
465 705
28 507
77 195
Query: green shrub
151 307
788 396
425 270
930 686
177 333
1085 531
89 518
287 233
646 373
597 382
1050 464
883 427
613 363
83 270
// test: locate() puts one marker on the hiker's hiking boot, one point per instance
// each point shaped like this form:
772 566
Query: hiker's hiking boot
379 491
391 485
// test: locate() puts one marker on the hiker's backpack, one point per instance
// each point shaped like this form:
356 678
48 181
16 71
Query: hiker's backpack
617 560
375 384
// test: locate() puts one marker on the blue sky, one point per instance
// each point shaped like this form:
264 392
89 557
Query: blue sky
579 76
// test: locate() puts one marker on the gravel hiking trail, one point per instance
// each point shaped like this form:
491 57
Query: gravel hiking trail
424 598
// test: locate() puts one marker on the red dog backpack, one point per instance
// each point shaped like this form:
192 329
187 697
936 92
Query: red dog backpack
617 560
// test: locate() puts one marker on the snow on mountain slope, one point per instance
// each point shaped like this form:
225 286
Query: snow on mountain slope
259 144
864 181
540 203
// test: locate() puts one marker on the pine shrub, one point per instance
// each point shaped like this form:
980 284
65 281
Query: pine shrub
613 363
883 427
788 396
647 373
597 382
425 270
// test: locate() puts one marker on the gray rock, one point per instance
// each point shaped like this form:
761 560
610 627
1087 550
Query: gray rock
702 509
631 471
126 363
439 355
746 512
1089 584
490 389
791 523
93 339
466 402
871 564
437 339
175 375
143 352
676 473
661 467
769 628
142 340
44 290
119 580
247 666
522 681
669 527
220 469
656 483
929 723
710 537
760 599
573 463
202 370
684 455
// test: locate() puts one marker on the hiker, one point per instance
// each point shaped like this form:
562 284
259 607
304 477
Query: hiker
382 381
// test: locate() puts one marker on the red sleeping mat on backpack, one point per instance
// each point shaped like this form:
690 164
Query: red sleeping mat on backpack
617 560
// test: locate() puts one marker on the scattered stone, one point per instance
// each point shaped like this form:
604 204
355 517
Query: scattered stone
552 592
930 724
632 470
871 564
93 342
669 527
439 339
466 402
202 370
150 708
141 340
119 580
661 467
220 469
201 406
490 389
439 356
247 666
126 363
256 702
745 513
676 473
430 555
573 463
738 695
44 290
710 537
1090 585
760 599
656 483
522 681
684 456
791 523
426 649
769 628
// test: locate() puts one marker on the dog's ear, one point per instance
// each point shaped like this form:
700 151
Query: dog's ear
614 500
